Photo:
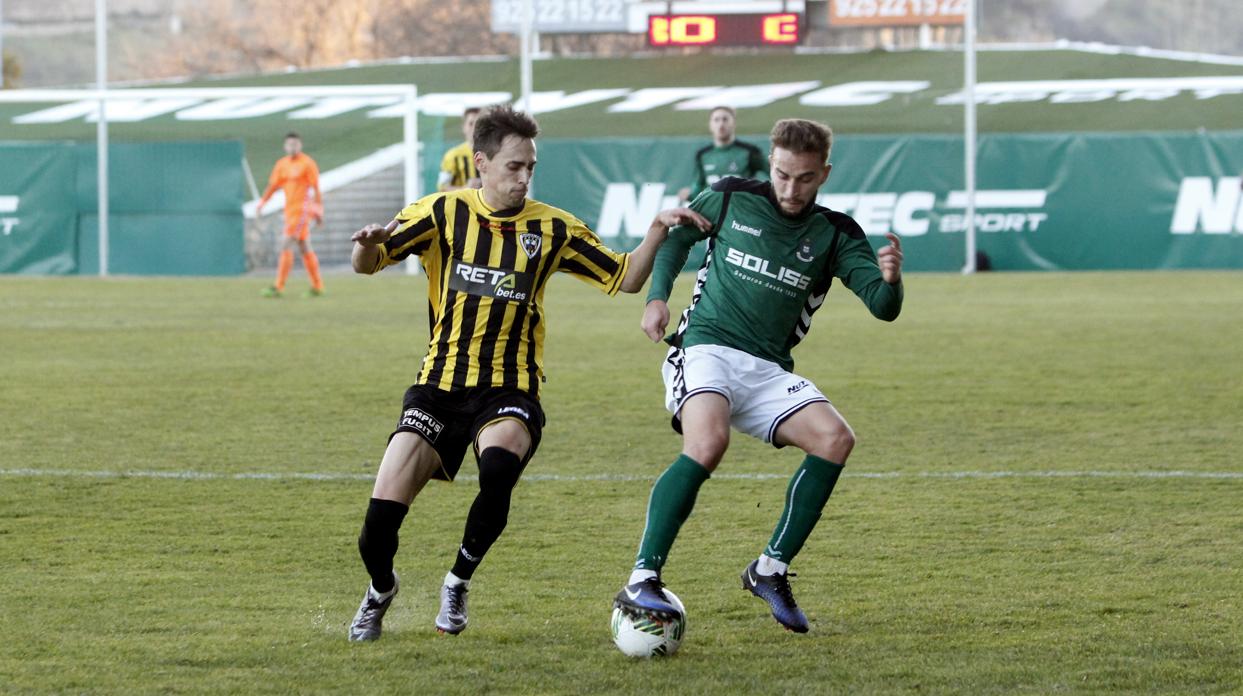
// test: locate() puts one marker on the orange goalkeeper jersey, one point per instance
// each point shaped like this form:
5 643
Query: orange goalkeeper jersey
298 176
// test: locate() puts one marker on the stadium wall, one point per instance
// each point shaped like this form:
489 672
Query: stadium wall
175 208
1059 201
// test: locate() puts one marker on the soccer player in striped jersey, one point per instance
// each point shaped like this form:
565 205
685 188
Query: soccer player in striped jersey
772 255
457 168
488 254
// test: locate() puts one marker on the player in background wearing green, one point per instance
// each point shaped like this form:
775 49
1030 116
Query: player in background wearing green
772 255
726 156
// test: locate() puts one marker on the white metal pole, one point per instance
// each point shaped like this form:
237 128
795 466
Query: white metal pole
970 128
410 142
524 56
101 128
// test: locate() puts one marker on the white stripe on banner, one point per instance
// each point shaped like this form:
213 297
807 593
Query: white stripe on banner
313 476
1017 198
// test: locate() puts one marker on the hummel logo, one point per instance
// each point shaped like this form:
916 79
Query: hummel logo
632 595
754 232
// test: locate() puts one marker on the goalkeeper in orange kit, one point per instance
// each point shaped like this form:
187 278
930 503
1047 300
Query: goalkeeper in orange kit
298 176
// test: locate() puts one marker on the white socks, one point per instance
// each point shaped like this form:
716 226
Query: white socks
771 566
451 580
641 574
382 596
766 566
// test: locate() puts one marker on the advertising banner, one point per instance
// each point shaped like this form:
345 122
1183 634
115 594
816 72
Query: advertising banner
38 209
174 209
890 13
1043 202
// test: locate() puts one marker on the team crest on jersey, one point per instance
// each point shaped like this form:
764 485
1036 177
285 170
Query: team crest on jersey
804 253
531 243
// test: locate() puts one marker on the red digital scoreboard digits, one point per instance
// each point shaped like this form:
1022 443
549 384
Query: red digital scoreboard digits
778 29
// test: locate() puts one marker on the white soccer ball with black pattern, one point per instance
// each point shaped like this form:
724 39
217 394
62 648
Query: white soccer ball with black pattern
644 635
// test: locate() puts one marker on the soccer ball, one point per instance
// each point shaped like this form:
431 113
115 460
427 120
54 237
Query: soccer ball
644 635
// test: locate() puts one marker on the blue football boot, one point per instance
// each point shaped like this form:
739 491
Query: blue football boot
646 597
775 589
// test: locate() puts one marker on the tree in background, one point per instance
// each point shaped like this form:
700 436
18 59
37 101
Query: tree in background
221 36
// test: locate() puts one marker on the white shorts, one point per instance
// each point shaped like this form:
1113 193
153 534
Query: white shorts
761 394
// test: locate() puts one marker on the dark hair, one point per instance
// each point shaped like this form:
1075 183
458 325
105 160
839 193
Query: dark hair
800 135
292 134
471 110
497 122
727 109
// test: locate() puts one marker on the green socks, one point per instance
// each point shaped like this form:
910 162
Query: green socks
809 490
673 498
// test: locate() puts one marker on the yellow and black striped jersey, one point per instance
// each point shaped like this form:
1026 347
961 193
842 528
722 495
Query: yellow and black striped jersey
486 273
459 165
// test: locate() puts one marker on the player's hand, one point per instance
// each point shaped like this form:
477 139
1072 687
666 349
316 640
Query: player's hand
683 216
655 319
889 258
374 235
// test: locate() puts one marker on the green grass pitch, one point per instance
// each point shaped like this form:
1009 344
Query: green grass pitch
1045 496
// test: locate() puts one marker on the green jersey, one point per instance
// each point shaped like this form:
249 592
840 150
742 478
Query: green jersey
740 159
766 273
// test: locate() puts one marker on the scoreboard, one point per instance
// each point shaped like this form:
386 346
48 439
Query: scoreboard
711 29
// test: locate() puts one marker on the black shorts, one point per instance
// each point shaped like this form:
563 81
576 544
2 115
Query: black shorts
451 420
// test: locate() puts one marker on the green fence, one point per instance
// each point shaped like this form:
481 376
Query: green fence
174 209
1045 201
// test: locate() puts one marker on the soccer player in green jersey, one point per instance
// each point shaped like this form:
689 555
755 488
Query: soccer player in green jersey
726 156
772 255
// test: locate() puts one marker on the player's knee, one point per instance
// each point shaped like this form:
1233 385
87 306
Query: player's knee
499 470
707 450
835 443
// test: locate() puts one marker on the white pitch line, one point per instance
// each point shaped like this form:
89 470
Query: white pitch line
314 476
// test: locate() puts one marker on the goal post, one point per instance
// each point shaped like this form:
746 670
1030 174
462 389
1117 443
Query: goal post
404 97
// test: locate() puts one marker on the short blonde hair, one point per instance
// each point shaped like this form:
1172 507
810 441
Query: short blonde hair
800 135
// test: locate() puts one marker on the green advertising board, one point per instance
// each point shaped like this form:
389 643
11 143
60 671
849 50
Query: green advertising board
38 210
174 209
1045 201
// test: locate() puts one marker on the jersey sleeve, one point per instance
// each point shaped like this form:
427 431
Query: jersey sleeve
312 180
416 232
701 178
676 248
856 265
448 169
588 259
758 164
275 179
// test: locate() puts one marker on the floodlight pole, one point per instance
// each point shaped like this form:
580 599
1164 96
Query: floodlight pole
970 134
101 129
524 55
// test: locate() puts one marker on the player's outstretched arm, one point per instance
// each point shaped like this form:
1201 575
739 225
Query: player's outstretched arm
655 319
366 254
889 258
641 258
